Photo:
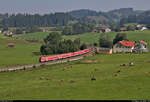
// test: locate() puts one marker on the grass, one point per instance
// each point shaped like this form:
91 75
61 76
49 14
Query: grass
22 53
131 83
37 35
91 38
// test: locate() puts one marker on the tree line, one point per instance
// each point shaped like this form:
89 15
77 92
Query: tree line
77 29
54 44
106 42
28 20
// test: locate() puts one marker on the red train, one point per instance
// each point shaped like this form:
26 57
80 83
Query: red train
63 56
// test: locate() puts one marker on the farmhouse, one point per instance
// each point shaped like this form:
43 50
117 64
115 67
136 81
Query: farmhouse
140 27
7 33
123 47
95 31
15 36
123 29
11 45
143 28
44 29
141 46
104 50
105 29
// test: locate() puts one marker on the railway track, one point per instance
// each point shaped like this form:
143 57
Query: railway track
39 64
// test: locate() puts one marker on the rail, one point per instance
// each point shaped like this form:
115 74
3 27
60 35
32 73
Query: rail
39 64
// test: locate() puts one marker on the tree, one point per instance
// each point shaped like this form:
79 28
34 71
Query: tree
53 38
95 44
55 45
83 46
5 28
105 41
120 37
130 28
67 30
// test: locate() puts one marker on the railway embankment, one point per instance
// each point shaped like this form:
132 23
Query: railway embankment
40 64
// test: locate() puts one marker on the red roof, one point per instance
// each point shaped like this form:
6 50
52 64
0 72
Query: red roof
127 43
123 29
143 42
104 28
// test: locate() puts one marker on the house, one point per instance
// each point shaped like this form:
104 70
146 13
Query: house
124 46
104 50
15 36
44 29
141 46
105 29
11 45
95 31
143 28
8 33
123 29
140 27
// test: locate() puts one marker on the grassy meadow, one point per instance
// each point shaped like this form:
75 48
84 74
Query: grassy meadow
91 38
53 82
23 51
21 54
113 82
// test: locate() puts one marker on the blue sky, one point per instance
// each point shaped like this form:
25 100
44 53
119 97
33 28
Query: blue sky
49 6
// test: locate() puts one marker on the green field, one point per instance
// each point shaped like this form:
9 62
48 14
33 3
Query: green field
23 51
21 54
132 83
91 38
37 36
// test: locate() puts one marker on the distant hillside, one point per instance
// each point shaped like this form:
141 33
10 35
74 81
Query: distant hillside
117 16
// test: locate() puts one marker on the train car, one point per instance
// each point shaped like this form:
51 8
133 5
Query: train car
64 56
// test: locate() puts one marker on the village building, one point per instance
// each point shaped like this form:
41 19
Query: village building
8 33
105 29
141 46
95 31
11 45
44 30
123 29
15 36
140 27
124 47
104 50
144 28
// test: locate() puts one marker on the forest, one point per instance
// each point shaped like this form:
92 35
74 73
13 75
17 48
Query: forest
82 16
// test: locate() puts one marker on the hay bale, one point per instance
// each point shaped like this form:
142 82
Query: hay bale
93 79
72 81
115 75
118 71
147 72
42 78
62 80
11 45
96 69
123 64
131 64
48 79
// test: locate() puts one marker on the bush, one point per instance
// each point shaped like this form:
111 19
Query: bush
105 41
120 37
